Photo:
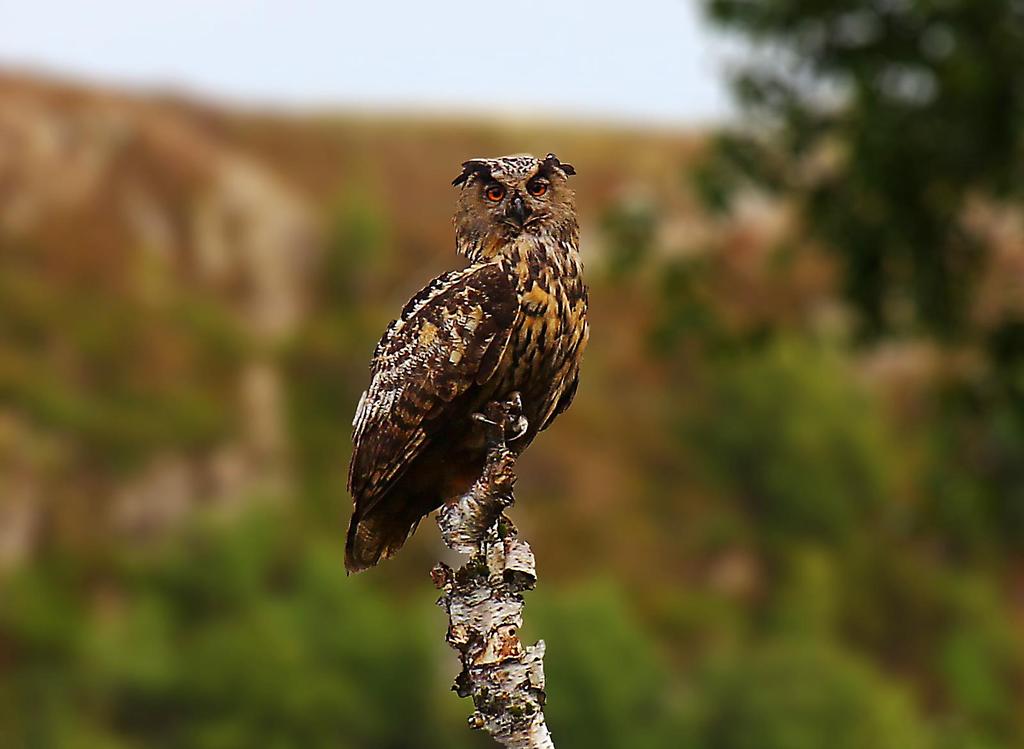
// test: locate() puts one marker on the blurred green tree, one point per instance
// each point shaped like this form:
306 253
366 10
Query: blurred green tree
325 363
607 683
803 450
886 118
118 376
888 124
804 695
239 636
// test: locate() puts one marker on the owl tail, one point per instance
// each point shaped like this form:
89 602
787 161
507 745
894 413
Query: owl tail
376 536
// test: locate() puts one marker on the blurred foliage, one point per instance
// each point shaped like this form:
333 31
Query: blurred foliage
64 345
803 452
244 637
629 230
887 124
887 118
327 360
888 517
251 635
798 696
608 684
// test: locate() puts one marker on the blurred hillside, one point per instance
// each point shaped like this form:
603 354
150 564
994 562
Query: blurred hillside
179 246
148 267
755 527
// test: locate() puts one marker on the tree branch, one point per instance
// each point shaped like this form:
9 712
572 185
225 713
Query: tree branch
483 601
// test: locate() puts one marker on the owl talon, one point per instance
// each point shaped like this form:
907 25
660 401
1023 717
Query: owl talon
493 424
513 416
503 421
522 425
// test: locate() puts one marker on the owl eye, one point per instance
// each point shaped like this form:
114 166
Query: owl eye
537 188
494 193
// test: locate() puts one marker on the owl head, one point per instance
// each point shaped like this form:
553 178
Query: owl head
503 198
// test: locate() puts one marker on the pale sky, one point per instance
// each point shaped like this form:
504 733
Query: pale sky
639 61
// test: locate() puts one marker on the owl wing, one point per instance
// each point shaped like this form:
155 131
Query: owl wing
450 337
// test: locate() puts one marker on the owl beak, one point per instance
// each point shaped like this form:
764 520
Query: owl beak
517 210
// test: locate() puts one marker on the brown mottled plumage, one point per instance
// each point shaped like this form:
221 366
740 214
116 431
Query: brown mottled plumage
514 320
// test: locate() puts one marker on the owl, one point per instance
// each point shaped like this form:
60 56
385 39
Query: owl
514 320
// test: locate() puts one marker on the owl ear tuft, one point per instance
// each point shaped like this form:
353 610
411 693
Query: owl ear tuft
471 167
551 162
